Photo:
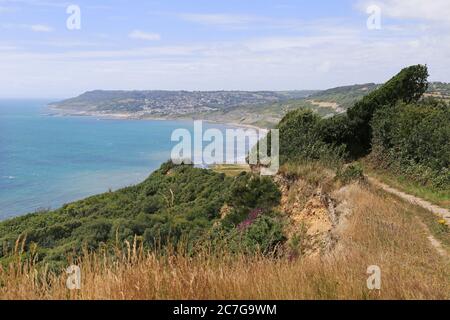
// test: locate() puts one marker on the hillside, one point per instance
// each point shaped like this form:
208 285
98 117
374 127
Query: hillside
327 234
263 109
345 96
173 103
439 90
318 224
176 203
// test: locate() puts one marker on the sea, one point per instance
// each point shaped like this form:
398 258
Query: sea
47 160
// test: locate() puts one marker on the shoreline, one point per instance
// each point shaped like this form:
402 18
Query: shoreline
52 112
127 116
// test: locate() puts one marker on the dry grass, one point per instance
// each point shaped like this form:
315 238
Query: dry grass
378 232
231 170
313 173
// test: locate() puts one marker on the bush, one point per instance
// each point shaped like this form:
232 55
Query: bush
306 136
264 234
351 173
413 139
408 86
260 234
301 139
251 191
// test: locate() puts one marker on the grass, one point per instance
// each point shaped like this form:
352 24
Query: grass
441 231
231 170
438 197
431 221
380 231
313 172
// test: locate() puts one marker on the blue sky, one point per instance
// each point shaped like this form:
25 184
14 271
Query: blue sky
215 45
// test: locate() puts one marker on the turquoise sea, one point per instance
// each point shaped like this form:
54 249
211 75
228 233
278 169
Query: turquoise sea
46 161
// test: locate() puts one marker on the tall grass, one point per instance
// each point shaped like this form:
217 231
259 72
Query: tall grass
378 232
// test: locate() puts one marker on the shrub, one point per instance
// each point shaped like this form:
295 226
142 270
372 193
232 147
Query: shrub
301 139
408 86
261 234
412 139
351 173
306 136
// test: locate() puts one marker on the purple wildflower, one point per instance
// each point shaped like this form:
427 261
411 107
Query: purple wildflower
253 215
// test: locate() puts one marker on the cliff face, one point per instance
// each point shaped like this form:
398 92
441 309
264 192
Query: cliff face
314 212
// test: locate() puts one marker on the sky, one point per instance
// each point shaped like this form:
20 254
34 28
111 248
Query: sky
48 50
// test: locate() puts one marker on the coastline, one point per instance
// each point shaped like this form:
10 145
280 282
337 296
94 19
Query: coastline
128 116
56 201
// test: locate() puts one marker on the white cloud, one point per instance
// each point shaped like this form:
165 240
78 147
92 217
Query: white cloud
48 3
242 21
141 35
219 19
324 54
432 10
40 28
4 9
29 27
66 43
304 42
317 61
7 47
139 53
324 67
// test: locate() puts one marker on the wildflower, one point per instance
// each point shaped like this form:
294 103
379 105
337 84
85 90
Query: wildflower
253 215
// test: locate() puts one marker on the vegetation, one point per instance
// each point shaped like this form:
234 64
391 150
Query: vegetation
389 176
352 172
400 130
176 203
408 86
345 96
300 139
375 233
231 170
413 140
218 234
306 136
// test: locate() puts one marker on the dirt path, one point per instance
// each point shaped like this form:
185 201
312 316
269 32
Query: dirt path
422 203
413 199
438 246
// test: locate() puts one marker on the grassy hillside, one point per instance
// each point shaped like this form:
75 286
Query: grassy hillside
175 203
264 116
380 230
345 96
439 90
